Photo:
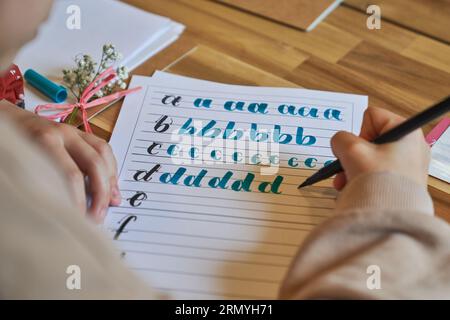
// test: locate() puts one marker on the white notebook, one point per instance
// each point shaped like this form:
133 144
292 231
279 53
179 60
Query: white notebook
204 215
137 34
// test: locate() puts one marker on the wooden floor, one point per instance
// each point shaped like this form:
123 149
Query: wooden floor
404 67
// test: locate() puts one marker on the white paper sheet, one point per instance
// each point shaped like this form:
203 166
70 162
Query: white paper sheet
137 34
440 157
203 241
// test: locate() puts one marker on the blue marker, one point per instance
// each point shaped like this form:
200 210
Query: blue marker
52 90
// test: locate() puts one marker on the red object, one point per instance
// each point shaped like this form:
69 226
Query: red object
11 86
438 131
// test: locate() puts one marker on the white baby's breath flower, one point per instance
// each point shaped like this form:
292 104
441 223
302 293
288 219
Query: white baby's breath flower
86 69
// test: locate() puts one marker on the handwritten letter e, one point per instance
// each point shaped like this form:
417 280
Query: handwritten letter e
73 281
73 21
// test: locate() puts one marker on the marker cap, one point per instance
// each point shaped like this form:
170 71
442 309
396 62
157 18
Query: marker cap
52 90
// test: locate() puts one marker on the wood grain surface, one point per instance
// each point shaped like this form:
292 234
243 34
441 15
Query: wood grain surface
399 68
297 13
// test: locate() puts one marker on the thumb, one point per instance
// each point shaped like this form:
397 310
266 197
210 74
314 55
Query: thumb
349 149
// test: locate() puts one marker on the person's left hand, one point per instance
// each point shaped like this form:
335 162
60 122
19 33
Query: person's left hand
80 155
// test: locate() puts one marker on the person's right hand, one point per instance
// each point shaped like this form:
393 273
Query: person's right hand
409 156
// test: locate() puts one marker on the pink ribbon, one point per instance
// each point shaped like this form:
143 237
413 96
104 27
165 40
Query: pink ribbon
102 79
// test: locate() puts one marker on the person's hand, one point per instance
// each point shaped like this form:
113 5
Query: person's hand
80 155
408 157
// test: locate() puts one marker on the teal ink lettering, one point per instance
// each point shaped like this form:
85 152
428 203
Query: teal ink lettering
209 131
284 138
258 108
240 106
308 112
310 162
232 106
292 162
331 114
199 102
231 133
274 159
306 140
258 136
236 156
217 182
256 158
193 152
240 185
195 180
172 149
216 155
187 129
273 186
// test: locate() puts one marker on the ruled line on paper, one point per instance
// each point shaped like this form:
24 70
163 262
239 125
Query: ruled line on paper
285 194
208 275
225 163
222 216
182 158
229 92
197 166
215 237
225 149
231 180
228 112
219 295
276 102
244 209
281 265
222 198
231 207
215 221
172 134
135 126
271 254
241 121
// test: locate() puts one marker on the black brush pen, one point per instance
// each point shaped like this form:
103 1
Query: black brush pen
392 135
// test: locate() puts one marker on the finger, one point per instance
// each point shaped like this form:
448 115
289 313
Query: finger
54 146
74 176
377 121
105 151
345 145
339 181
90 162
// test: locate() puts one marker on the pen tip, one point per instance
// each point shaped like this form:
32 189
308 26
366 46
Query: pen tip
304 184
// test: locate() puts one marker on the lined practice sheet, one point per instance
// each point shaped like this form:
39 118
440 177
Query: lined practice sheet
209 175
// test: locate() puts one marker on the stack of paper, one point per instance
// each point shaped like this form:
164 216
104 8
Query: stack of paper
209 175
136 34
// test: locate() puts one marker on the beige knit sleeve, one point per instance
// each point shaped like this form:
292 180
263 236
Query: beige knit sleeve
382 243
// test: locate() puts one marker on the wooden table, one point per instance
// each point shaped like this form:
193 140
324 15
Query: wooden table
404 67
